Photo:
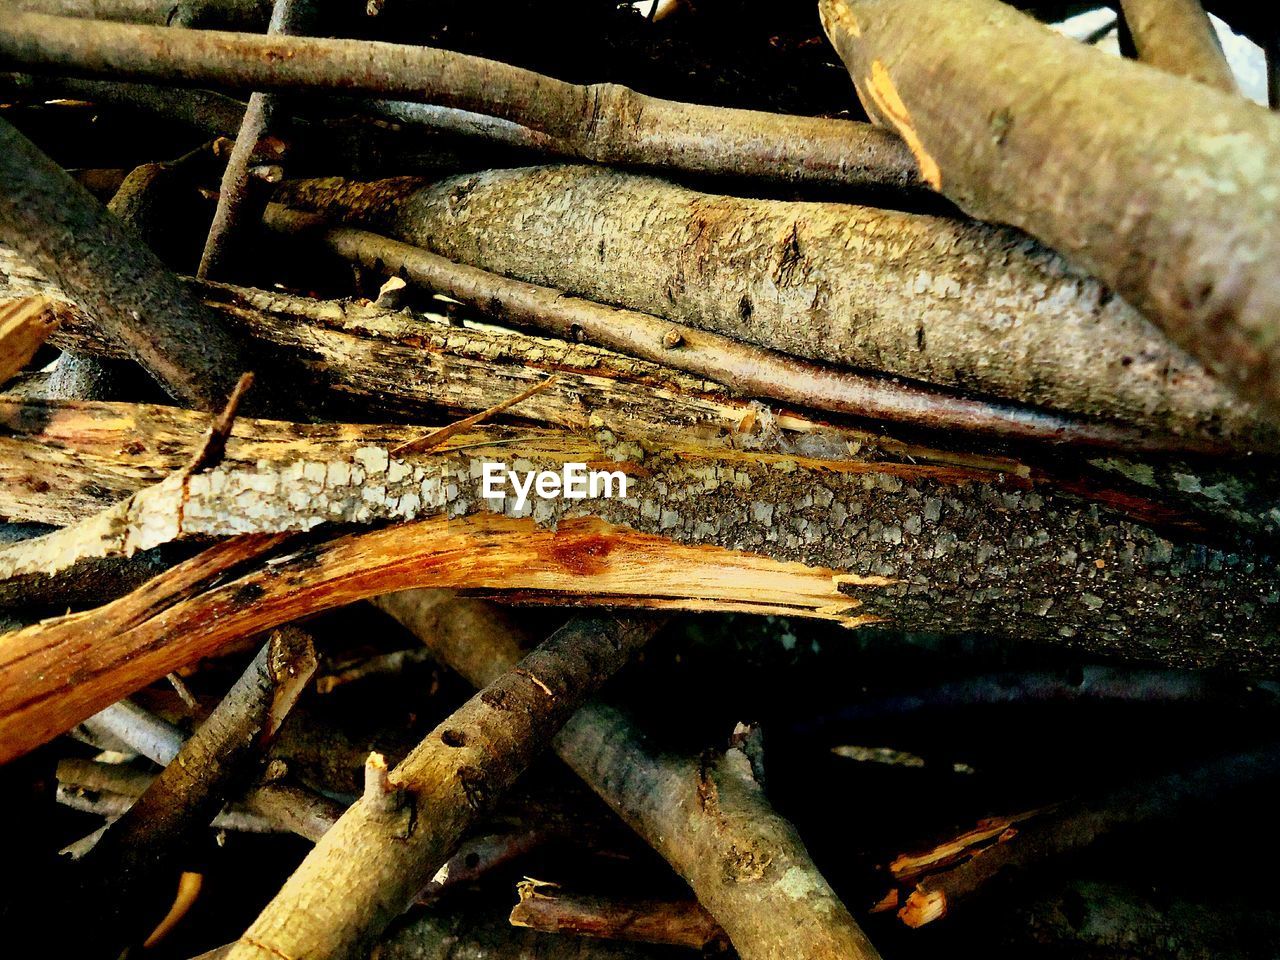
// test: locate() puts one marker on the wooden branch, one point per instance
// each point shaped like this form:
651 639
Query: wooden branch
954 304
386 848
53 680
1070 827
1177 36
706 816
460 931
25 325
242 197
927 547
750 370
677 923
1195 259
217 761
605 123
63 231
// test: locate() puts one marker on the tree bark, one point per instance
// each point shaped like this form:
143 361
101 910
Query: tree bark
217 761
1181 220
707 816
66 234
750 370
955 304
1177 36
370 868
927 547
605 123
679 923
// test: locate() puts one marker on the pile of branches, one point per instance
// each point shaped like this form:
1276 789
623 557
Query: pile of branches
928 358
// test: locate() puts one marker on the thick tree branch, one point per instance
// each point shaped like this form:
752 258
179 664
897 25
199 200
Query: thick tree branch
707 817
1177 36
62 230
605 123
751 370
928 547
1181 221
950 303
369 869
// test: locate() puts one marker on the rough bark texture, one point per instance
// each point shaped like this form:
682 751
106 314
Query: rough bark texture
707 817
918 296
1181 220
1176 35
605 123
66 234
927 547
370 867
753 371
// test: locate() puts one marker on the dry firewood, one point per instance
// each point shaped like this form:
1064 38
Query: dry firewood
140 849
463 933
1177 36
678 923
25 324
928 547
242 197
52 680
1182 226
386 848
951 303
750 370
64 232
1030 841
707 816
156 201
605 123
411 366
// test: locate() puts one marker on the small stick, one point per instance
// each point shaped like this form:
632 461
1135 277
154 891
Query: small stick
242 196
438 437
677 923
1070 827
65 233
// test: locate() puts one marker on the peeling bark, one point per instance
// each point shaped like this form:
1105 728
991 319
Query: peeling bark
927 547
910 295
369 869
1181 220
